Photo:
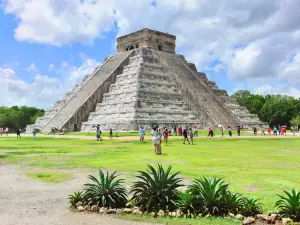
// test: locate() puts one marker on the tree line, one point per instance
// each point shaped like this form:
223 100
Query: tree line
273 109
18 117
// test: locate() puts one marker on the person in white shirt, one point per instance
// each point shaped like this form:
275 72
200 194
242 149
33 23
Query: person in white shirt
155 139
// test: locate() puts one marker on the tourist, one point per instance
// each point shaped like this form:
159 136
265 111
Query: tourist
166 135
1 131
210 132
196 132
262 131
239 131
269 130
110 133
222 131
294 129
175 131
275 131
6 131
230 131
180 131
155 138
283 130
98 133
160 141
191 135
185 136
255 131
34 133
142 134
19 133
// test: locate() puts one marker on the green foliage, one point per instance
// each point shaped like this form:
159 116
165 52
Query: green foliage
233 202
107 191
274 109
210 194
295 121
289 205
156 189
250 207
19 117
75 198
186 203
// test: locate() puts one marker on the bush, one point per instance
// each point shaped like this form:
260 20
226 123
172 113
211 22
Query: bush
289 205
250 207
186 203
233 202
75 197
156 189
210 195
107 191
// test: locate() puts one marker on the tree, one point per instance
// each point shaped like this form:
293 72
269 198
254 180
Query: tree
295 121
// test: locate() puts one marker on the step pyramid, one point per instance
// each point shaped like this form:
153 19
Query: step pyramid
145 83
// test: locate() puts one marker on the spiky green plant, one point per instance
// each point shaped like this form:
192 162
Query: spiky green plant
156 189
107 191
186 203
250 207
289 205
210 194
233 202
75 198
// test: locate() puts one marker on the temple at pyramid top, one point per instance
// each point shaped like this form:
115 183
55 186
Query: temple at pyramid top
147 38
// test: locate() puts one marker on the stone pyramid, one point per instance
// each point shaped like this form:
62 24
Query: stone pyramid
145 83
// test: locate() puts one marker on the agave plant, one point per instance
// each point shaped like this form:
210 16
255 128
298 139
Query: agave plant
289 205
75 198
250 207
107 191
210 194
186 203
156 189
233 202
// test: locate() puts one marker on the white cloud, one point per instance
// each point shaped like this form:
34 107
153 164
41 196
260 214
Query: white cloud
44 90
51 67
64 64
282 89
32 68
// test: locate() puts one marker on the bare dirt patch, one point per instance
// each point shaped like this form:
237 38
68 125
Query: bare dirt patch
25 201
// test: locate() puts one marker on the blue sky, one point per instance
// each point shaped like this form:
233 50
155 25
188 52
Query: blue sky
48 46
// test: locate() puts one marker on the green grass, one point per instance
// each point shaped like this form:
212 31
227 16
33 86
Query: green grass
49 177
261 168
180 221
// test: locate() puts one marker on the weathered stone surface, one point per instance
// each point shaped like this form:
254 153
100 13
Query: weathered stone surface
286 221
248 221
239 217
144 86
94 208
80 209
111 211
161 213
78 204
103 210
127 210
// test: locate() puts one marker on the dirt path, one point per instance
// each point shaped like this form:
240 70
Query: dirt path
30 202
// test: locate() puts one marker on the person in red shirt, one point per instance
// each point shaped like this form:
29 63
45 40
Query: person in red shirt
269 130
166 135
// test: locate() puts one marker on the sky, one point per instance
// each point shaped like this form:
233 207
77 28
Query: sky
47 46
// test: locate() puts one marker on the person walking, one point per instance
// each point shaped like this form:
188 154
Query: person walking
230 131
18 133
6 131
269 131
196 132
142 134
263 131
166 135
98 133
155 138
191 135
275 131
160 134
185 136
222 131
34 133
294 129
110 133
175 131
255 131
239 131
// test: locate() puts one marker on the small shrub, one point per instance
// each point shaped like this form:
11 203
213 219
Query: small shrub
289 205
250 207
156 189
186 203
107 191
75 198
210 194
233 202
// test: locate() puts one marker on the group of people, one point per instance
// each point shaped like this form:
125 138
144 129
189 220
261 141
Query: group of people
3 131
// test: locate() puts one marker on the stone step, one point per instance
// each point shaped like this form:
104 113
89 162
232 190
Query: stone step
142 90
141 100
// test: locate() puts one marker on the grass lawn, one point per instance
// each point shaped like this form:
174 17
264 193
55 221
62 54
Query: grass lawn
261 168
49 177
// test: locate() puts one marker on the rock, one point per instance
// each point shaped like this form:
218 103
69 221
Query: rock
80 209
129 204
286 221
119 211
136 208
272 218
161 213
262 216
249 220
136 211
272 212
239 217
127 210
231 215
170 214
207 216
173 214
79 204
140 213
179 213
111 211
103 210
86 207
153 214
94 208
